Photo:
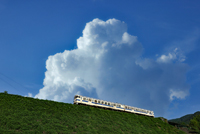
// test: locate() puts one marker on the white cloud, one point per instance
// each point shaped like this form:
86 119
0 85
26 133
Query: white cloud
108 64
177 50
29 95
177 94
176 55
166 58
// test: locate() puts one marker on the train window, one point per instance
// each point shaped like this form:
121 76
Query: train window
89 99
102 102
84 98
109 104
114 104
105 103
95 101
98 101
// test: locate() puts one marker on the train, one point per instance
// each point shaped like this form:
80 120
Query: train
83 100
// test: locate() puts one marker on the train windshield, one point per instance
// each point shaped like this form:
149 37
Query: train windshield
76 97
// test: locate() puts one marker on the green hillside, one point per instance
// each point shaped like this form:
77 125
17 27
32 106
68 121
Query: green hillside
185 119
27 115
195 124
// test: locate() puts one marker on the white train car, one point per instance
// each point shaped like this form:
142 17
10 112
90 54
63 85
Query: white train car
78 99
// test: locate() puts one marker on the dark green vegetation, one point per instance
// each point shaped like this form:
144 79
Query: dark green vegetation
195 124
27 115
190 122
185 119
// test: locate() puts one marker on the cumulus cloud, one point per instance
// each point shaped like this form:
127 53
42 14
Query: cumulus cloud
108 65
176 51
166 58
176 55
29 95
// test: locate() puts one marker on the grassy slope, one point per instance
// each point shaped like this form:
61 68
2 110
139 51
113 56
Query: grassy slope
27 115
185 118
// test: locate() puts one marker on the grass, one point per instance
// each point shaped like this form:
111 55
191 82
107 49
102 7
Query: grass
28 115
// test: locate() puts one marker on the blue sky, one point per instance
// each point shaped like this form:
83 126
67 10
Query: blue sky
153 64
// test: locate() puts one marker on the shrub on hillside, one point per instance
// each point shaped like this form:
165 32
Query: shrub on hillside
195 123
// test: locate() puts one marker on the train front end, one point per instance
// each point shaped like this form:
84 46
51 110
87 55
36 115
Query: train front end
77 99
